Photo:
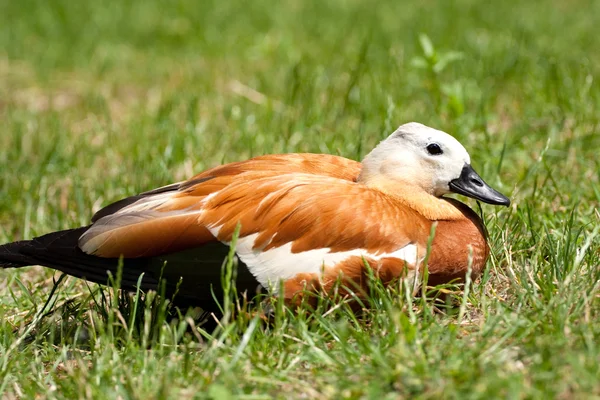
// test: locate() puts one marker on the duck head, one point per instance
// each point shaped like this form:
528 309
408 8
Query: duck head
419 158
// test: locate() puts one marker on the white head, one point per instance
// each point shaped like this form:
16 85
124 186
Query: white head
432 160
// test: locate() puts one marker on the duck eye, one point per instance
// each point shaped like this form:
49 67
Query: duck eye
434 149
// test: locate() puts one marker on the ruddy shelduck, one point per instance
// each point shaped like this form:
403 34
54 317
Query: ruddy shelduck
305 221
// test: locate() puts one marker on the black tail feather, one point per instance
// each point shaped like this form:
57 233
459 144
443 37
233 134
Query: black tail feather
59 250
199 267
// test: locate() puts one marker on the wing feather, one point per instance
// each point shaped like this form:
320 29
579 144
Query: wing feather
167 219
143 235
312 212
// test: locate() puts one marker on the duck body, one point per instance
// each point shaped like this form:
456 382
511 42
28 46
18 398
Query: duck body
304 220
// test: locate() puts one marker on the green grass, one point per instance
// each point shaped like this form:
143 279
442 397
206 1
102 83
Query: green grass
99 100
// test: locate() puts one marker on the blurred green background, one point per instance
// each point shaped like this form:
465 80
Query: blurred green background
146 92
100 100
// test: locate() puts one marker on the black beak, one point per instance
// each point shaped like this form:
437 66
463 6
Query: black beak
470 184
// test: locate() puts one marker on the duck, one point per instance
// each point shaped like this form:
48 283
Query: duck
296 222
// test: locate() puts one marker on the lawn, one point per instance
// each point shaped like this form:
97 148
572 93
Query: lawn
100 100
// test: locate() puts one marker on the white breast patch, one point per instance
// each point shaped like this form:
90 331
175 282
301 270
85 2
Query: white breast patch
273 265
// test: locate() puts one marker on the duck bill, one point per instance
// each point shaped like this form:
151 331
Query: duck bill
470 184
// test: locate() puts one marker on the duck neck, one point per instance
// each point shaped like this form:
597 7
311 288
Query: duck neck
431 207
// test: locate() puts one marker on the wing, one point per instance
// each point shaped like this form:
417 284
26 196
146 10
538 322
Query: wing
301 223
165 220
297 213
